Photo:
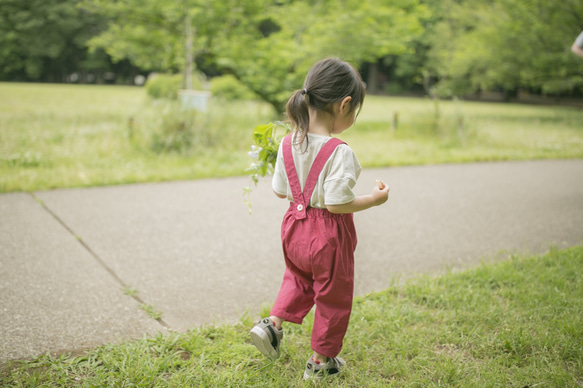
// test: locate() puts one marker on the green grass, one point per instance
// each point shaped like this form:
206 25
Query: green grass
151 311
463 131
517 323
55 136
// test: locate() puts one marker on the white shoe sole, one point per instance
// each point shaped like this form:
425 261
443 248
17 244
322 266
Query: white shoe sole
262 342
318 376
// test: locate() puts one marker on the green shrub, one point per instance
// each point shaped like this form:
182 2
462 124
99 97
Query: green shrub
229 88
164 86
180 130
168 85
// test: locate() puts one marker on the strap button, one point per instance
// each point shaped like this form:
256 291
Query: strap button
300 207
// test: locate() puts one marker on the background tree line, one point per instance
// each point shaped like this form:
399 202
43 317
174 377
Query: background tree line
441 47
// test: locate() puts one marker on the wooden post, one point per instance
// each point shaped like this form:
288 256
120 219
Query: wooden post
395 123
460 127
131 127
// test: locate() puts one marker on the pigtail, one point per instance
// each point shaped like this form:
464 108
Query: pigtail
297 112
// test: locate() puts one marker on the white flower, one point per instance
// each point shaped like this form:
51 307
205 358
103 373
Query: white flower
254 153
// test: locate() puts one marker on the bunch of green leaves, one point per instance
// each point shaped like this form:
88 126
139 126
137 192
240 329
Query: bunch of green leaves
266 140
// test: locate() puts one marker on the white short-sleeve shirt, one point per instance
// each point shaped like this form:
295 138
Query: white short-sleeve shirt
579 40
336 181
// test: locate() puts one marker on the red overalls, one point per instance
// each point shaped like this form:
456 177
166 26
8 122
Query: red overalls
318 248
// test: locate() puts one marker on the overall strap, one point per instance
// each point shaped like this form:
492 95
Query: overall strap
318 165
290 169
302 199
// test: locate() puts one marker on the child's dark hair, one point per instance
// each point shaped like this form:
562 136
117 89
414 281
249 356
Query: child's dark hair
328 81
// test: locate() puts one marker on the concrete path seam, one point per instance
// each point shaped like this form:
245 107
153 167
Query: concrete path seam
95 256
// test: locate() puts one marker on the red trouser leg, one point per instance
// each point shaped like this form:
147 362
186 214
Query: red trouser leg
319 254
296 295
294 300
333 286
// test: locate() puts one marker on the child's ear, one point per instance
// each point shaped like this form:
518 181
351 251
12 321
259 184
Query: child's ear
345 105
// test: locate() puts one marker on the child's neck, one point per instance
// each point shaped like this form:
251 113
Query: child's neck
320 124
320 131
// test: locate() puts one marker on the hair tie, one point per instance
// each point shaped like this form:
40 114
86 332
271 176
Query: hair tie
305 91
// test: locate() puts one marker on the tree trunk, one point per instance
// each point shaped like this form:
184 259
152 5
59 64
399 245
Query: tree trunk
372 84
188 31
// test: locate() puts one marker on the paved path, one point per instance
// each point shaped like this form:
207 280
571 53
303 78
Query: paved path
191 250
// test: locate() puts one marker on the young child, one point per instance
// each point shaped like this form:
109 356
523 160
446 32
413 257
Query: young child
316 173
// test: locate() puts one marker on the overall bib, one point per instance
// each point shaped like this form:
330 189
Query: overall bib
318 248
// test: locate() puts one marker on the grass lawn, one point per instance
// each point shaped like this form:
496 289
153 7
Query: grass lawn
518 323
463 131
55 136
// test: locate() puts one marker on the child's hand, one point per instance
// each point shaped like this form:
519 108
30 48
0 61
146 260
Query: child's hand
380 193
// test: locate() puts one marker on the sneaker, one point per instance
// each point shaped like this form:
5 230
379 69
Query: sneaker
317 370
267 338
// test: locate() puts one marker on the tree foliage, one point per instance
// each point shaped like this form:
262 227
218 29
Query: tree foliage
268 45
38 37
305 31
455 47
505 45
151 33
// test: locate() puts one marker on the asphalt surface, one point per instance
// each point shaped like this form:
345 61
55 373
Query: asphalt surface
76 264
